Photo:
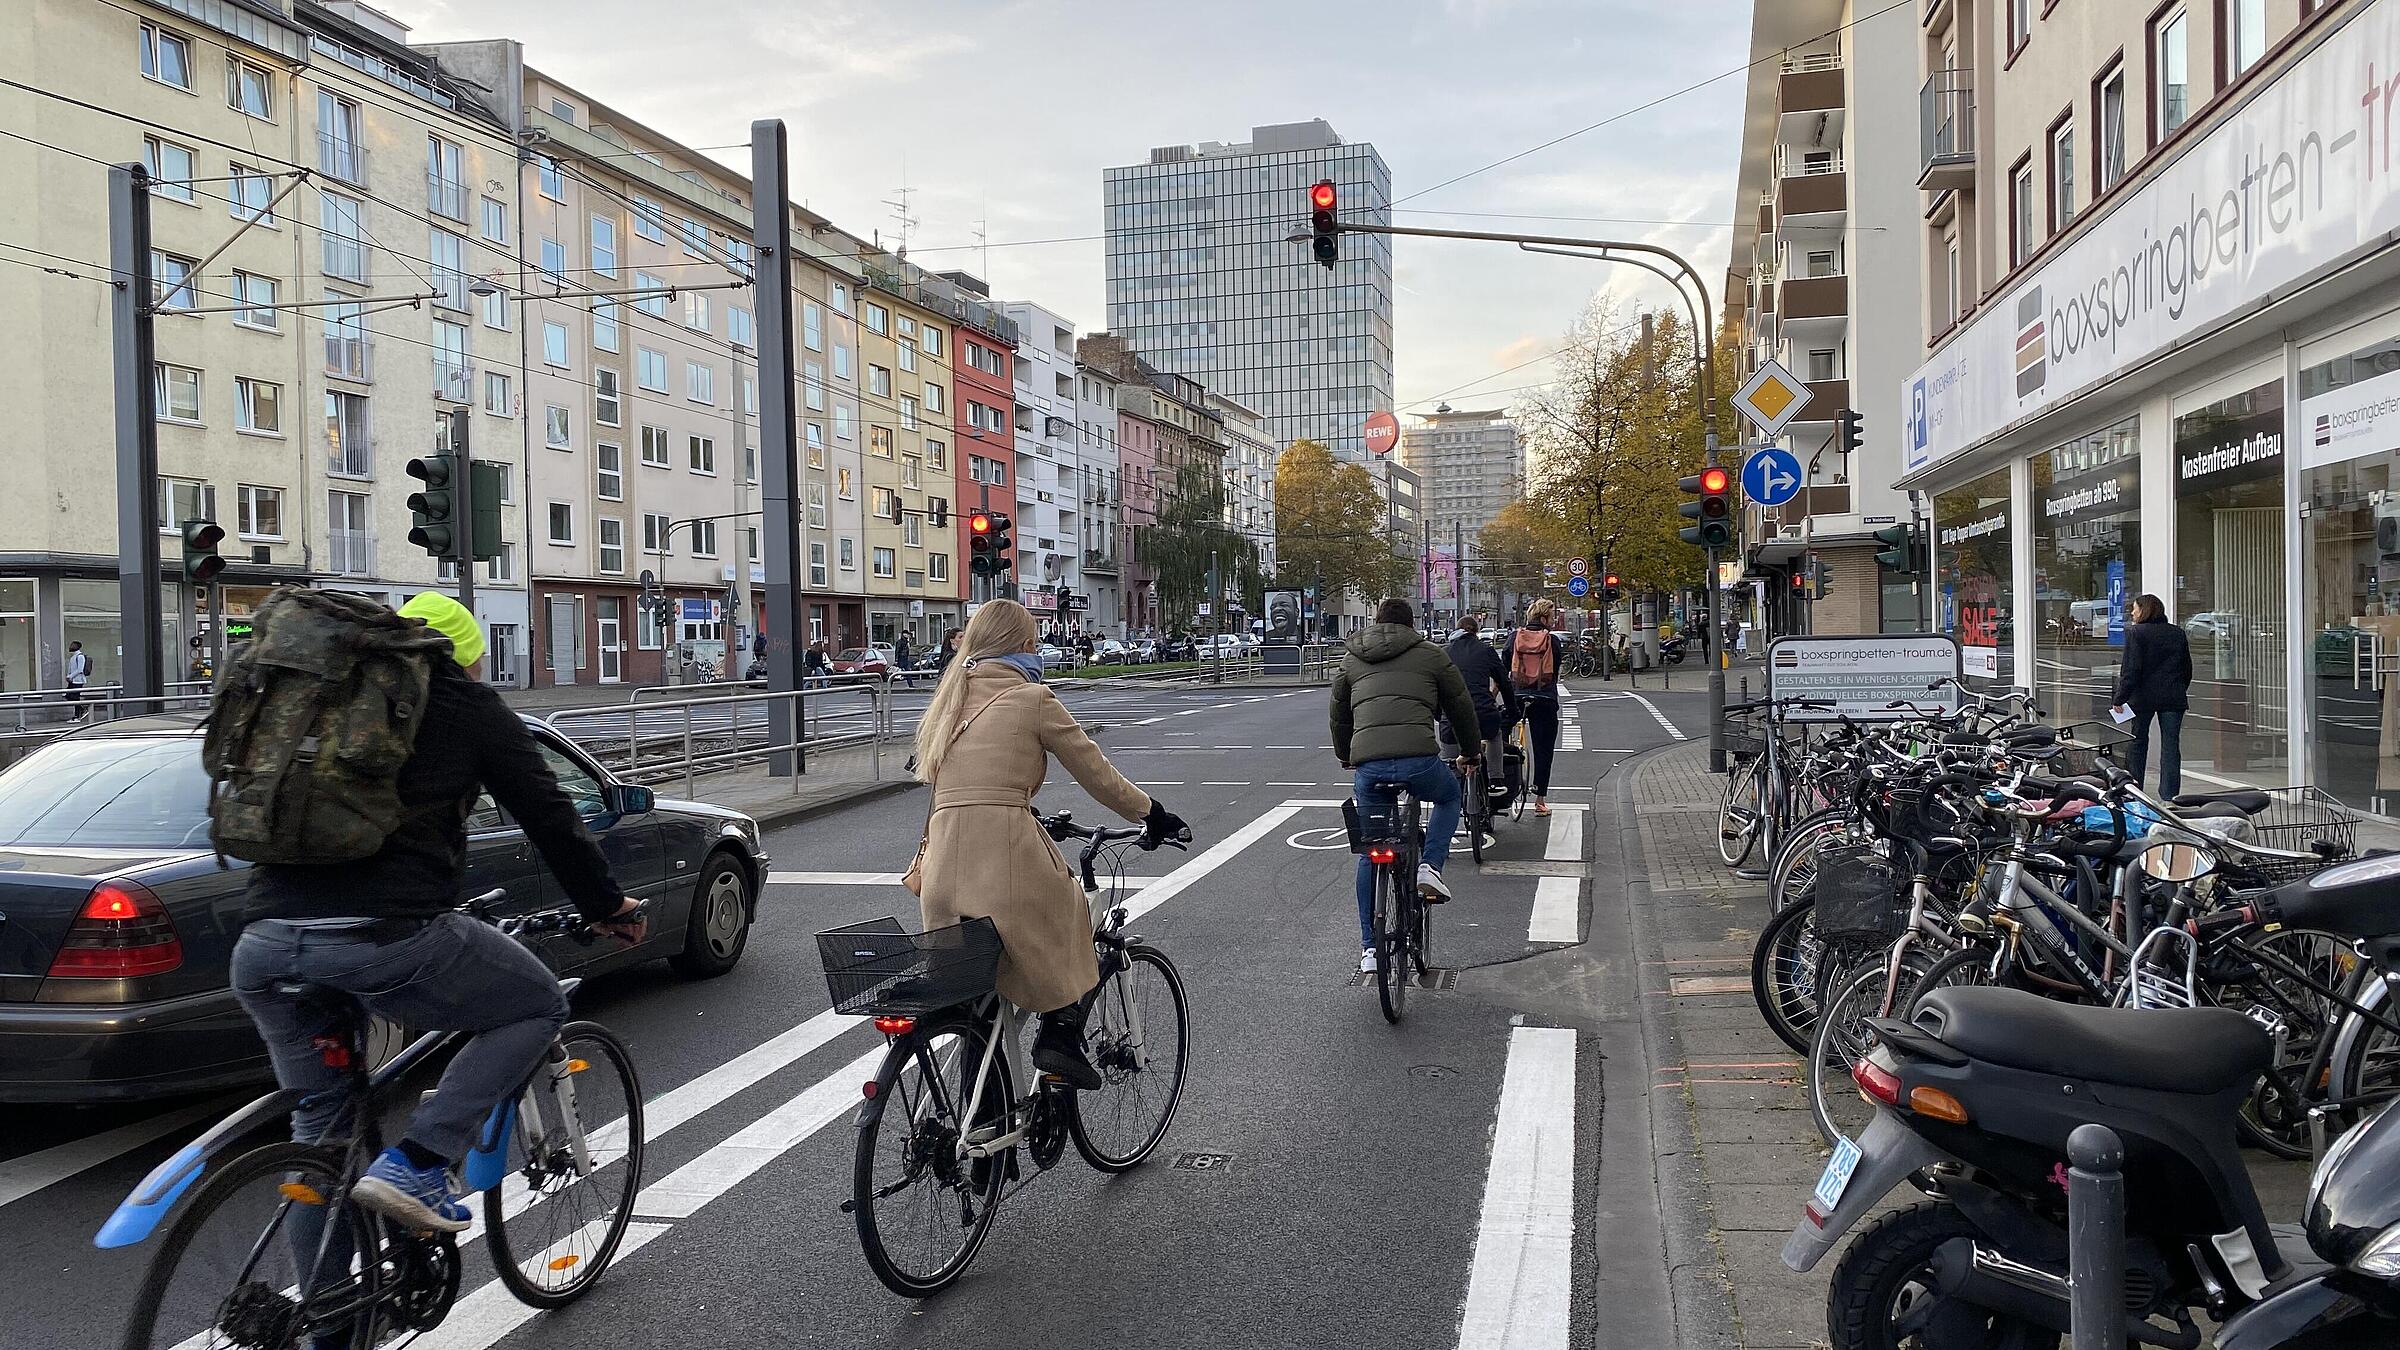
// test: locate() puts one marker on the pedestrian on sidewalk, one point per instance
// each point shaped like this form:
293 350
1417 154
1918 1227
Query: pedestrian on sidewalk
983 747
1537 690
2155 683
79 674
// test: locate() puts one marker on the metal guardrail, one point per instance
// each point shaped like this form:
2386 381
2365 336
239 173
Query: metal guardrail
107 702
685 738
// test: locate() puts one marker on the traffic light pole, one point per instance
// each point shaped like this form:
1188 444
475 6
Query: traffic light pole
778 449
142 670
462 472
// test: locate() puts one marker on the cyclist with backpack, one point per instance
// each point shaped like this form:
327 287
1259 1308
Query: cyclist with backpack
1493 692
1534 656
361 857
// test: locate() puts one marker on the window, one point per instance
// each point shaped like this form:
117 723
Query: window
937 453
353 542
2170 73
740 326
2062 173
905 328
841 424
815 434
908 356
604 246
495 221
841 297
658 533
700 382
498 398
750 542
648 220
445 179
654 447
883 503
703 455
554 344
182 499
2020 24
1824 363
841 485
344 243
261 512
451 373
1954 281
695 237
879 381
848 553
177 392
554 261
937 567
608 463
171 280
562 523
2020 212
749 396
257 406
841 362
606 334
495 310
2108 129
912 471
908 412
250 89
608 408
812 326
648 633
812 386
349 439
879 319
912 531
170 165
750 465
449 257
652 295
886 562
554 426
695 311
251 289
650 369
251 196
553 183
612 545
704 538
816 563
816 506
931 341
2244 26
879 442
167 57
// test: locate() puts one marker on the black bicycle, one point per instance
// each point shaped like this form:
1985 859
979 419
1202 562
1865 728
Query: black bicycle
1392 839
273 1254
941 1129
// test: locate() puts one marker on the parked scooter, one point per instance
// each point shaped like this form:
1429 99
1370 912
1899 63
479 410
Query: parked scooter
1976 1093
1670 650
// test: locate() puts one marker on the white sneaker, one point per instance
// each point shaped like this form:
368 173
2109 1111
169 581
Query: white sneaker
1430 884
1366 961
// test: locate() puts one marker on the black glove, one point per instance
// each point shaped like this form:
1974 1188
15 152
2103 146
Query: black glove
1162 825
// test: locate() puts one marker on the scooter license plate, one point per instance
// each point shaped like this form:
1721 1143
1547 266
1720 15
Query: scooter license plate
1836 1177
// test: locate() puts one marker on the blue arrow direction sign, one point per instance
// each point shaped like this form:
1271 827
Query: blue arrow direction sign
1579 586
1771 476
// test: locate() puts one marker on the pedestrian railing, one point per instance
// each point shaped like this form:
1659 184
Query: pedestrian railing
711 732
50 711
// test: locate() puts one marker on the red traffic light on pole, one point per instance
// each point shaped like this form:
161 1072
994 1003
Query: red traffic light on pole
1325 236
979 544
1712 507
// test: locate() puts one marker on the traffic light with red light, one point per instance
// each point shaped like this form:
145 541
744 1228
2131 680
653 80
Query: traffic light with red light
979 544
1608 586
1325 237
1712 507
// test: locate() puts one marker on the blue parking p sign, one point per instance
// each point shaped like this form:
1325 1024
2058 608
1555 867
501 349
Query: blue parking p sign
1579 586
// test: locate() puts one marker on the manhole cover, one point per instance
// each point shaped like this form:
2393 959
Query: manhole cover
1436 1072
1203 1162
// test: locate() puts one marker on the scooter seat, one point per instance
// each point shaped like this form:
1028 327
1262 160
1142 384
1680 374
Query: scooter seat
2192 1050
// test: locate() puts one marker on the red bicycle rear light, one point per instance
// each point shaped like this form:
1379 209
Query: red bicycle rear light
1381 854
895 1026
121 933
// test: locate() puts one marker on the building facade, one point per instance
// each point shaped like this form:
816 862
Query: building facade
984 394
1828 152
1249 476
1103 500
1470 463
2159 342
1050 468
1204 281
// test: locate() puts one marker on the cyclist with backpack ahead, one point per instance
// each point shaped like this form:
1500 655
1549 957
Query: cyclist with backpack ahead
355 890
1491 688
1534 656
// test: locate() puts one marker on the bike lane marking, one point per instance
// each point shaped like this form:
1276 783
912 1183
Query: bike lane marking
1519 1290
1557 917
1566 835
23 1175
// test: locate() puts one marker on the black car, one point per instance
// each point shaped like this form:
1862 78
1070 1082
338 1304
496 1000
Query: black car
117 919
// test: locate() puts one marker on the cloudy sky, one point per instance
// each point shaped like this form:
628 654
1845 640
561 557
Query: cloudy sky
1002 113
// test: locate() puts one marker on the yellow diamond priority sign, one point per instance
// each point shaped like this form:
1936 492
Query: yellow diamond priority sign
1771 398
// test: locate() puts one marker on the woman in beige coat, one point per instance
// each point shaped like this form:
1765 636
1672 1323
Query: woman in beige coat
984 746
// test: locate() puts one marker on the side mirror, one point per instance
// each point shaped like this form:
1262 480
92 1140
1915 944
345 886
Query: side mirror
632 800
2177 863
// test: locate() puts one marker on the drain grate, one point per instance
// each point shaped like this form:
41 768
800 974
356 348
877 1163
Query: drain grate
1203 1162
1435 1072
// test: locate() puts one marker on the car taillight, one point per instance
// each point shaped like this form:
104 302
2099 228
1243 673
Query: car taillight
121 933
1876 1081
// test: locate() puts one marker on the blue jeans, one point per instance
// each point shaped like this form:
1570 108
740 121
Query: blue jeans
2170 749
1431 780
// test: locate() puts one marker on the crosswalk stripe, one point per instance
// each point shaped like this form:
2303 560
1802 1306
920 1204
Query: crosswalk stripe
1556 916
1566 834
1519 1290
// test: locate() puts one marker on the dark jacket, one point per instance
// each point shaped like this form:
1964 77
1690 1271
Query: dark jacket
2157 674
1484 671
471 741
1391 686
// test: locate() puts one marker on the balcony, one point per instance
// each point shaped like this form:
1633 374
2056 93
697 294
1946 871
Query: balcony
1813 308
1826 400
453 379
349 358
1814 193
1811 99
1766 215
1946 131
352 554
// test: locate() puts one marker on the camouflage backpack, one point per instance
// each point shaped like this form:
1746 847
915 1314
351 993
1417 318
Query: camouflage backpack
312 719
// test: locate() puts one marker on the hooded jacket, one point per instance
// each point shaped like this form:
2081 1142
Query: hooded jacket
1392 685
1484 671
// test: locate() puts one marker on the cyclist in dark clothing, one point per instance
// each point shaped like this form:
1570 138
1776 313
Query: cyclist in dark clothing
385 931
1489 685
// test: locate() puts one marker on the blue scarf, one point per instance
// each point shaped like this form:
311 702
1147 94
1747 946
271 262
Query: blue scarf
1027 664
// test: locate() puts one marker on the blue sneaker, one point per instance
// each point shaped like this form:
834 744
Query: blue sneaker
398 1190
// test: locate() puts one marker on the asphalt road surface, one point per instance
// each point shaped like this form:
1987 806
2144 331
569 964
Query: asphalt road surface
1329 1180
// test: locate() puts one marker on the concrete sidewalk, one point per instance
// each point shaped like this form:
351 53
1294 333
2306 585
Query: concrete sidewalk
834 779
1740 1092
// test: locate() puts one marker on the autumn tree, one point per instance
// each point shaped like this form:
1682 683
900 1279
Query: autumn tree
1330 527
1189 535
1516 545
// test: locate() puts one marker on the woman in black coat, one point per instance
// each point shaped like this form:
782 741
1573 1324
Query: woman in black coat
2155 682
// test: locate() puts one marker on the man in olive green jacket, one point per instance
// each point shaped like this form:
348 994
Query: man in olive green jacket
1392 685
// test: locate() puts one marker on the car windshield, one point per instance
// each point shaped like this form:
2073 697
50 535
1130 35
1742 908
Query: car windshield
122 792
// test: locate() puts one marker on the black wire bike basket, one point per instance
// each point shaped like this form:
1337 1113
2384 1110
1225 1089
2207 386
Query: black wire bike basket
879 968
2306 820
1858 893
2082 745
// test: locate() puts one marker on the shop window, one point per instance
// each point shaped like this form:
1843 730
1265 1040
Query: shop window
2350 564
1974 585
2087 543
2229 521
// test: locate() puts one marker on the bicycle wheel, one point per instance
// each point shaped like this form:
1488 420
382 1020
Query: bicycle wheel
2275 1114
1793 870
923 1209
229 1272
1738 814
1139 1035
557 1219
1784 971
1478 815
1841 1038
1392 899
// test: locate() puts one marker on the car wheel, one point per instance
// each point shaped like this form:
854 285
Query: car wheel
720 922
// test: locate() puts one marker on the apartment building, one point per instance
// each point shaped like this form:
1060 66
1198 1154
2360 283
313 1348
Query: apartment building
1103 500
984 396
308 333
1050 468
905 323
1250 453
2159 345
1471 463
1823 278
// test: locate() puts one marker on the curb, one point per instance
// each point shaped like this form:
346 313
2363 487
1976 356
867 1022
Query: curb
1697 1279
791 813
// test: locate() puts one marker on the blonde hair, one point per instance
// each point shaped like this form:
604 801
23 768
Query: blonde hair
998 628
1544 614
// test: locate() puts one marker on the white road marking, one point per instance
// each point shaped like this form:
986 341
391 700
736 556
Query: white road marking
1556 916
879 878
1191 712
1570 736
1215 782
483 1317
22 1176
1519 1288
1566 835
1215 856
1147 721
1660 717
682 1193
1280 783
1158 782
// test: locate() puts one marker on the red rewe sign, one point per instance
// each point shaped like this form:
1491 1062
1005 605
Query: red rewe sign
1382 432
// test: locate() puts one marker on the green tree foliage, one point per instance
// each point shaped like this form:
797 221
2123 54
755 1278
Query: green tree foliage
1330 527
1190 531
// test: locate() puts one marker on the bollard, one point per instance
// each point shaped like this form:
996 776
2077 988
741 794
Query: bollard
2096 1237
